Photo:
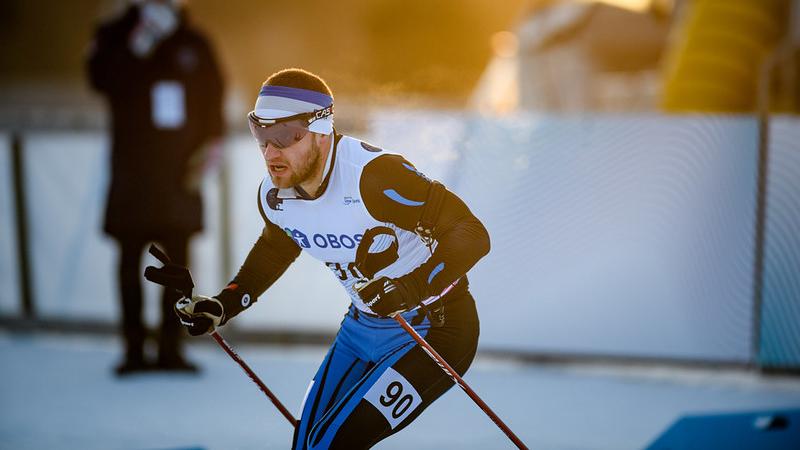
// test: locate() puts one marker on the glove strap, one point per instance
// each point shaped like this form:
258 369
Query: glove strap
233 302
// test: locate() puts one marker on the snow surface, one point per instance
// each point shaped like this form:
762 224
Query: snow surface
58 392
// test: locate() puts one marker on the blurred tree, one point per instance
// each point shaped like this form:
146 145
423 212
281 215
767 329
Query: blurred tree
437 49
44 39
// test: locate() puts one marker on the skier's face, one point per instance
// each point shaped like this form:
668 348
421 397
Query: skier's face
295 164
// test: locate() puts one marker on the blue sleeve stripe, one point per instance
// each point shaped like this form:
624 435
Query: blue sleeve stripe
392 194
435 271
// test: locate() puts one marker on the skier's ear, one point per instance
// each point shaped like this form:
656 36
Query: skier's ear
322 140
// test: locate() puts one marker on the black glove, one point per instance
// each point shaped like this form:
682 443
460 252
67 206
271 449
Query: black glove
171 276
388 296
200 314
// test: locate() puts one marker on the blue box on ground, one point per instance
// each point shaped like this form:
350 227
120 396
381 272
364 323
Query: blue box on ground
761 430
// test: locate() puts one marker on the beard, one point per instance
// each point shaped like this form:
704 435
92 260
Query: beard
305 169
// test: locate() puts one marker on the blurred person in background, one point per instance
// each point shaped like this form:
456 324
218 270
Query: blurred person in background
398 242
160 78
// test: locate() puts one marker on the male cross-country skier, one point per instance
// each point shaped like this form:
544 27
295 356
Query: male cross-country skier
398 242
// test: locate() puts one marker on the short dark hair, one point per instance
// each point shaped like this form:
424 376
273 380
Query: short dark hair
298 78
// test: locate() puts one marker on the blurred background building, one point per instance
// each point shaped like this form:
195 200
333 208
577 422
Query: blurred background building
642 55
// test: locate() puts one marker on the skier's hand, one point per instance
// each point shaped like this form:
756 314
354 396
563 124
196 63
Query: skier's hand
387 296
200 314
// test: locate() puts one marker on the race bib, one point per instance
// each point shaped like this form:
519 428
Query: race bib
168 103
393 396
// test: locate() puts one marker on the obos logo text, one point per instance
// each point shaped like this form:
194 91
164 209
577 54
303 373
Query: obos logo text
327 240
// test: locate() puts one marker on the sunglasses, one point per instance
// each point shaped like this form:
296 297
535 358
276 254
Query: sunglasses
284 131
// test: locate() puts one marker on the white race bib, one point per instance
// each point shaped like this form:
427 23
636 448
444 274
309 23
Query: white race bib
393 396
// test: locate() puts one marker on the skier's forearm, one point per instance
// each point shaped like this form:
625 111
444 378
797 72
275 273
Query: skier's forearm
459 247
269 258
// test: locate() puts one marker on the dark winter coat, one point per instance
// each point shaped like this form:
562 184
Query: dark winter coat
149 164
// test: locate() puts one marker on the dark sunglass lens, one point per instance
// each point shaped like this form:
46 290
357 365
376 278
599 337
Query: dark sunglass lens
283 135
279 135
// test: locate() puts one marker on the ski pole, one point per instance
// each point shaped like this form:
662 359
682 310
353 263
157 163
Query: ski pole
184 284
459 381
225 346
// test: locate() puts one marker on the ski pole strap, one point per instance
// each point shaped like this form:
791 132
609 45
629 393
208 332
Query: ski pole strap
435 309
426 226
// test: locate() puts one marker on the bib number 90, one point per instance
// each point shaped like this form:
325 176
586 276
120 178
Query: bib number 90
393 396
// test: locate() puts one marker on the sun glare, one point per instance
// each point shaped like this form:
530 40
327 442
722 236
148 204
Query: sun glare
634 5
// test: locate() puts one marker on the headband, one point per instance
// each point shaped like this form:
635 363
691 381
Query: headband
275 102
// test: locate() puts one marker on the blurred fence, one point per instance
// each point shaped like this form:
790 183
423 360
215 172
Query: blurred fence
617 236
630 237
779 335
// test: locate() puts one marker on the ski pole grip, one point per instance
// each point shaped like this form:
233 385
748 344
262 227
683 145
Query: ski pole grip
159 254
